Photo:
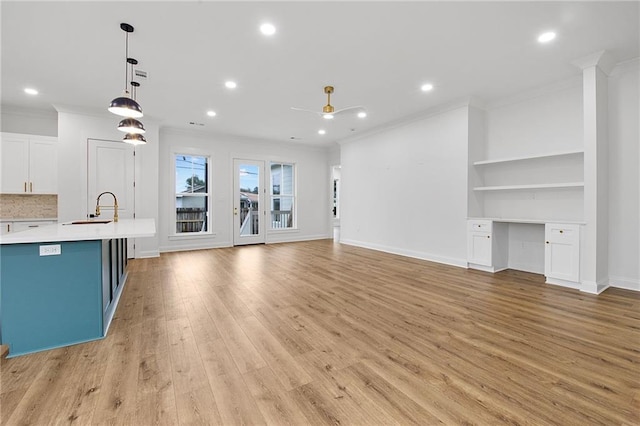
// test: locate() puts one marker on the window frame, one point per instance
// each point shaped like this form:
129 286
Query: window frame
208 196
293 195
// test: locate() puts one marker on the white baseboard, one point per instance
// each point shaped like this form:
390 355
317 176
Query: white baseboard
563 283
594 287
625 283
190 247
485 268
461 263
147 254
292 238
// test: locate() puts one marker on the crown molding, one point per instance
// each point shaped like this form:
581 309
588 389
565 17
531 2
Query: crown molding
422 115
558 86
602 59
625 67
30 112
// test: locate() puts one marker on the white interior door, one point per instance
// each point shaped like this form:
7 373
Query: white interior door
111 167
248 202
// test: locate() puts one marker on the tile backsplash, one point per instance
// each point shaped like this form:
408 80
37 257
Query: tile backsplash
28 206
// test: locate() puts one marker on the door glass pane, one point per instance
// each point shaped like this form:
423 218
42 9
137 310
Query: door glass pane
249 178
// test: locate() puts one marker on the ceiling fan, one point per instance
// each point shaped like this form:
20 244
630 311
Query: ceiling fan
328 111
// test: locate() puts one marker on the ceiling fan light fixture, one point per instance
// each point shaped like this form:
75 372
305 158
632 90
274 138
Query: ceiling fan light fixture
327 116
131 125
134 139
362 114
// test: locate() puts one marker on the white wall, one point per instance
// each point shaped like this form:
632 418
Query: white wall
29 121
73 131
547 120
313 178
624 179
404 190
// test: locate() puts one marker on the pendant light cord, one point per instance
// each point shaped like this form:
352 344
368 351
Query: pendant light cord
126 55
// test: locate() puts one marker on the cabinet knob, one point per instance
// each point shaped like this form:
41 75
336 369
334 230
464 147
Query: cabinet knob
547 242
488 236
561 231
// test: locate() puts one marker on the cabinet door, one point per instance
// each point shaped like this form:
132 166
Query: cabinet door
14 165
562 252
43 166
479 242
479 248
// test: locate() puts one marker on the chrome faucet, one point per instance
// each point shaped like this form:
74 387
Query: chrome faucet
115 205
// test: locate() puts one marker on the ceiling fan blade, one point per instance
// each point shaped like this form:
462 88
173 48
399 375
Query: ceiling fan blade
359 107
305 110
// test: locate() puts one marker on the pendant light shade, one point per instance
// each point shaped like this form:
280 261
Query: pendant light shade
125 107
131 125
134 139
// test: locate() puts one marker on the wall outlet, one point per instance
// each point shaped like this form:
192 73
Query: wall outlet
50 250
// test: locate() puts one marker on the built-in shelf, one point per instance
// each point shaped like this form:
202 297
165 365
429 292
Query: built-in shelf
529 157
533 186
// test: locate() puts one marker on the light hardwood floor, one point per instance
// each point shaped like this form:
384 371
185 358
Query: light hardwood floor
322 333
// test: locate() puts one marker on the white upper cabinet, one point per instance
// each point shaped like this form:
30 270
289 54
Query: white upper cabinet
29 164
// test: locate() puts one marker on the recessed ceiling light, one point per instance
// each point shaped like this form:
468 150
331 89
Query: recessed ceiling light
546 37
230 84
30 91
327 116
426 87
321 132
267 29
362 114
211 113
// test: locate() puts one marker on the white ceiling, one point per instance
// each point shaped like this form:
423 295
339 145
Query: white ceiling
376 54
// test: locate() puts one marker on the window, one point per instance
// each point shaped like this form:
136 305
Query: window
192 194
282 196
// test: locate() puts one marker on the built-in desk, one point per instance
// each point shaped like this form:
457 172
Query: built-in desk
60 284
551 248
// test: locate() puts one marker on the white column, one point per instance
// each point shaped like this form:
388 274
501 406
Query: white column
595 238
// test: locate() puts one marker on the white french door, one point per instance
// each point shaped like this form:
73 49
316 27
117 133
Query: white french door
248 202
111 167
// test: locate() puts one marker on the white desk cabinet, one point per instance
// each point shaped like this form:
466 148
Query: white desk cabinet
486 249
29 164
562 254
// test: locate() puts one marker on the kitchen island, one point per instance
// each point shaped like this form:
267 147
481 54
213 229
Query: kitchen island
60 284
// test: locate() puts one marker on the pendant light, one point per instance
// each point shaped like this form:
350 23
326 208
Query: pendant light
129 124
134 139
125 105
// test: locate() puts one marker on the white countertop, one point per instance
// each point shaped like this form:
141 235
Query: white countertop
533 221
125 228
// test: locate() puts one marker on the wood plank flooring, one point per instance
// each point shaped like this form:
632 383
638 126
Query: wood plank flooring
322 333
